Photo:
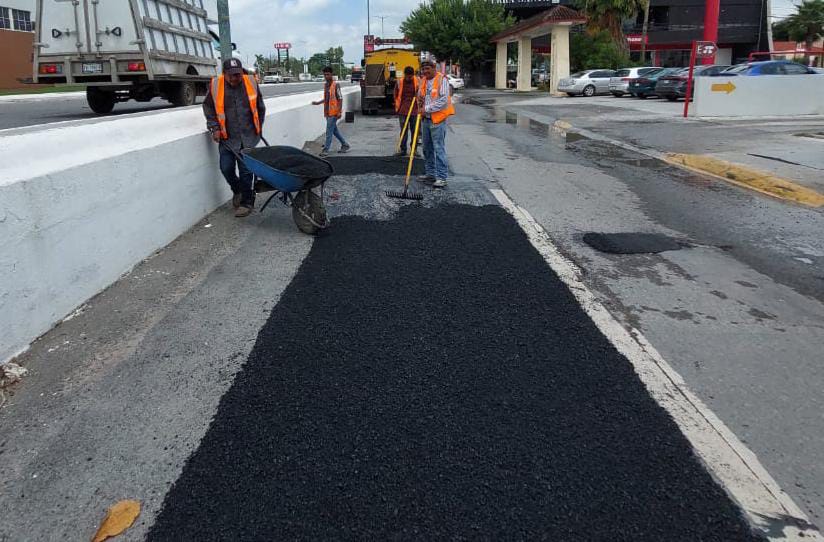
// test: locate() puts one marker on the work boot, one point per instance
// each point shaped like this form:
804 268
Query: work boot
428 179
236 200
324 153
243 212
344 149
439 183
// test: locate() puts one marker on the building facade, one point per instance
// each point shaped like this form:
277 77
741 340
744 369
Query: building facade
16 42
673 25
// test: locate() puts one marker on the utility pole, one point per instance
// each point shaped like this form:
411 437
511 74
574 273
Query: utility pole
381 17
368 18
224 30
711 12
644 33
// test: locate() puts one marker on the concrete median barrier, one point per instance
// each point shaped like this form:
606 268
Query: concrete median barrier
759 96
80 205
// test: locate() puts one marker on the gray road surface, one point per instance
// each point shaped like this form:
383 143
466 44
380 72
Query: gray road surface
122 394
58 108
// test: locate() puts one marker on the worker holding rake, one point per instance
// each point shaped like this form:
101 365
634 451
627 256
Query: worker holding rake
406 106
434 95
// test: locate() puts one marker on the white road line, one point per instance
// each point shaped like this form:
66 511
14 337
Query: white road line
736 468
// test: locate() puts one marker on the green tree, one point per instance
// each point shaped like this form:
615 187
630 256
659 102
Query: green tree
610 15
456 30
595 50
807 24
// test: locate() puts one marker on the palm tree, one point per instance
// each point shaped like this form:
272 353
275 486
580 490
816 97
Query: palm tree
610 15
807 24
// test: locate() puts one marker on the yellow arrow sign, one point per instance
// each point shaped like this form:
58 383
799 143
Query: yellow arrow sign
727 87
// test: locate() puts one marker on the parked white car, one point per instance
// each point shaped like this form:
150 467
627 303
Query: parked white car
619 84
272 78
455 82
587 83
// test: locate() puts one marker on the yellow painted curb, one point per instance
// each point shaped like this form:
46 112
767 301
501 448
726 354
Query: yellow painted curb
753 179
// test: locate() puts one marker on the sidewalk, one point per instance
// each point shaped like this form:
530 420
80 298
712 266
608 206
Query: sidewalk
769 155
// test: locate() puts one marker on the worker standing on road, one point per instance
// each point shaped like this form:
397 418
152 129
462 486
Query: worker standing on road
405 91
235 113
332 109
437 107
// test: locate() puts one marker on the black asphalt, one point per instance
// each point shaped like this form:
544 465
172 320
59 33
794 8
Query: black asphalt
632 242
430 378
384 165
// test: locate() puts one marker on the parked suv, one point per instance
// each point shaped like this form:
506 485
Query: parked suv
619 84
674 85
586 83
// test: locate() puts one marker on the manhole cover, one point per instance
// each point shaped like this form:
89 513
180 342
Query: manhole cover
632 243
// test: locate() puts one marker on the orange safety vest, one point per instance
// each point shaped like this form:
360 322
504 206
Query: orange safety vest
332 107
437 116
220 107
399 90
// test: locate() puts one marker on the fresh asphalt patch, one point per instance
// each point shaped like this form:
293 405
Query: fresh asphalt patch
383 165
429 377
632 243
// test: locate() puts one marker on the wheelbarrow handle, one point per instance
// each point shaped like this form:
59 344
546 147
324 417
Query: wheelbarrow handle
230 149
223 144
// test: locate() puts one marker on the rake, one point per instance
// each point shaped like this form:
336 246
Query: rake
406 194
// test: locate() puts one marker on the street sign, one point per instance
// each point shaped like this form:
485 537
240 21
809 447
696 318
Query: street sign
368 43
699 49
283 45
727 87
705 49
392 41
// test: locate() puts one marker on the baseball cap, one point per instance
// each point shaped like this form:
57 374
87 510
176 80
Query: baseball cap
232 66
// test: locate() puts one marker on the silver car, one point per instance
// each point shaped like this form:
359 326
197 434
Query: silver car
619 84
586 83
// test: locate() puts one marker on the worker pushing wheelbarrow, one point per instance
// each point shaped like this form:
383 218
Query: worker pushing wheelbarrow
293 176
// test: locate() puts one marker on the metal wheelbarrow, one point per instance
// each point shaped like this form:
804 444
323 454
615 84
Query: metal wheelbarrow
292 175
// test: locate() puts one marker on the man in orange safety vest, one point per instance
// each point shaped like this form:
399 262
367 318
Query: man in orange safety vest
434 95
405 91
332 109
235 112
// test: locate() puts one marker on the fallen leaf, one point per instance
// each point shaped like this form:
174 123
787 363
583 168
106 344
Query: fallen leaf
119 518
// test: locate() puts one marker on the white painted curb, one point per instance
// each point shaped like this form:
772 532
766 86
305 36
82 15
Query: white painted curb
737 468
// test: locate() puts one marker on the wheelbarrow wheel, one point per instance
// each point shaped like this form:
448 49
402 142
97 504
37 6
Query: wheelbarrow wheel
308 212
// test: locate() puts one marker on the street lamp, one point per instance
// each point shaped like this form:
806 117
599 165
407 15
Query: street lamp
381 17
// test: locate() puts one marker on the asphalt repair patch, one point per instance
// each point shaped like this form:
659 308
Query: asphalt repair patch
429 377
632 243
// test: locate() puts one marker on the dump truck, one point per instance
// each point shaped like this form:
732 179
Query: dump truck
127 49
381 69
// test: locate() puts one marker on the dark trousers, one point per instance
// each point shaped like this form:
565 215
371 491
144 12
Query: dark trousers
243 185
409 129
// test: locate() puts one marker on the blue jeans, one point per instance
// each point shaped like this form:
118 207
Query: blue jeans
332 130
434 148
243 185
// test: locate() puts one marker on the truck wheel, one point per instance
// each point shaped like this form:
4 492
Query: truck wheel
100 101
183 94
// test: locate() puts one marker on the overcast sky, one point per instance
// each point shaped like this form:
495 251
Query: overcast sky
257 24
